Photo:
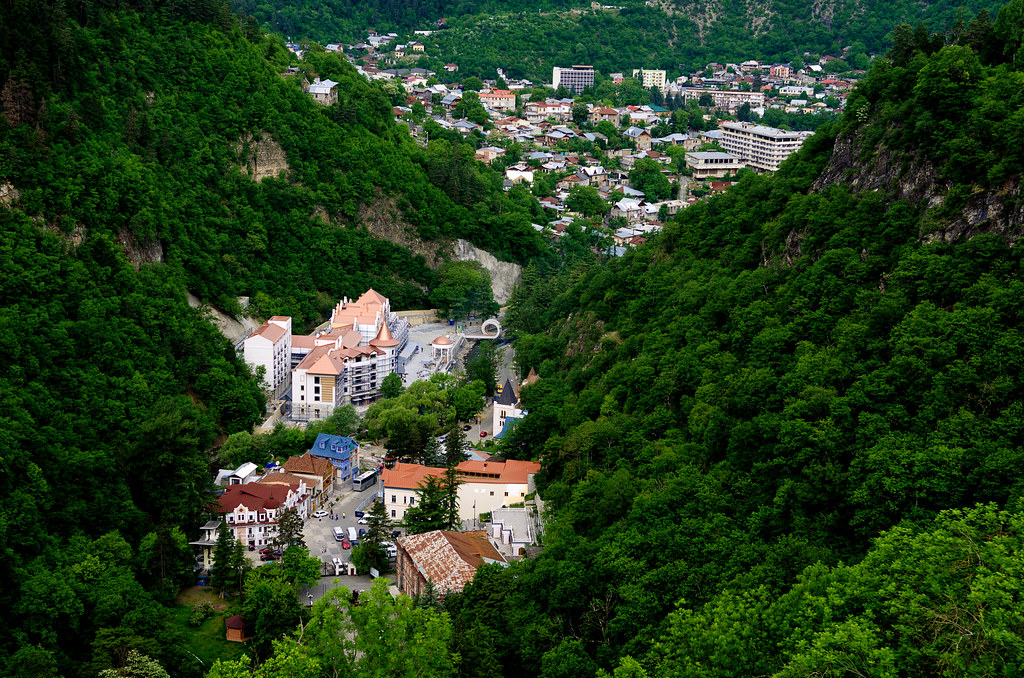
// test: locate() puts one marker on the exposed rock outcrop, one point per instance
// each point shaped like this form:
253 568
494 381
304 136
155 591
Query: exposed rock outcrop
235 329
504 274
138 252
8 194
949 213
261 157
382 218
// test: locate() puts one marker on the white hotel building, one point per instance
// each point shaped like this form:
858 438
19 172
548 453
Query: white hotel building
270 347
760 147
343 364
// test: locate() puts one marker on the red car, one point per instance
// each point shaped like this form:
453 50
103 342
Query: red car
483 434
346 544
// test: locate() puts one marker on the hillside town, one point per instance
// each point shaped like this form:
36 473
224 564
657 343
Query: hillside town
620 170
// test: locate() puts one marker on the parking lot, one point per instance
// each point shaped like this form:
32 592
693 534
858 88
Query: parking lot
319 536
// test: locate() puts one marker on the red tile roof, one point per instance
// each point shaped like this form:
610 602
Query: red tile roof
253 496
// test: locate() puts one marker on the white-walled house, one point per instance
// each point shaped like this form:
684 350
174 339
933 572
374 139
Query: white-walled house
270 347
251 510
486 485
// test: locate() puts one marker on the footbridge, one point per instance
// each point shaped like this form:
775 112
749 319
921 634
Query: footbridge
490 329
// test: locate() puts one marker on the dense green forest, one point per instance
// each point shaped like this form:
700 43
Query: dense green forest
785 438
126 149
526 39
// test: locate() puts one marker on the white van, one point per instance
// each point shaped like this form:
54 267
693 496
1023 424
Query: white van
351 534
339 533
390 548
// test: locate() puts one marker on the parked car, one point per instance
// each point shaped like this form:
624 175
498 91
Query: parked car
360 514
363 521
345 543
466 427
278 553
265 551
320 514
362 533
268 556
395 534
483 434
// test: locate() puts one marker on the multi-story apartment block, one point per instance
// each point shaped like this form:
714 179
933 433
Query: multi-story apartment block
726 98
650 78
270 347
499 99
762 148
347 362
575 79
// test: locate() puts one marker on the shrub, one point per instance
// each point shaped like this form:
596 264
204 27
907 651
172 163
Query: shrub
200 612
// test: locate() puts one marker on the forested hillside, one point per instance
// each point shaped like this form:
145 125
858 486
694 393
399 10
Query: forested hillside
134 143
786 437
527 38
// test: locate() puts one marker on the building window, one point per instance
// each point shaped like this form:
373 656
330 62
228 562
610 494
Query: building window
392 513
506 494
394 500
492 493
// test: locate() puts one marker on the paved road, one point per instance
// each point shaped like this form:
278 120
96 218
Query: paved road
319 536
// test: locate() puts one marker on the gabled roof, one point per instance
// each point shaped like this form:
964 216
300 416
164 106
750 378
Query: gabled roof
270 331
253 496
450 559
308 464
334 448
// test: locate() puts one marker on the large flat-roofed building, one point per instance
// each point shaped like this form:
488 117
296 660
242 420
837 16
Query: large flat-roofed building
726 98
760 147
713 164
650 78
575 79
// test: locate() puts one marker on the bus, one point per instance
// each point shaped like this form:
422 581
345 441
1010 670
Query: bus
364 480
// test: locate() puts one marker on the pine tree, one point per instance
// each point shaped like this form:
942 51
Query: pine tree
428 513
455 454
378 525
289 529
221 572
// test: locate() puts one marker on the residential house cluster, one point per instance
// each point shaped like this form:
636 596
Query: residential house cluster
252 497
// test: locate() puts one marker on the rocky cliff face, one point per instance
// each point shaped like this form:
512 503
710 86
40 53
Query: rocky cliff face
950 212
261 156
504 275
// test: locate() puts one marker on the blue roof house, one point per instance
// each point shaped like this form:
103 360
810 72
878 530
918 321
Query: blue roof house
341 451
